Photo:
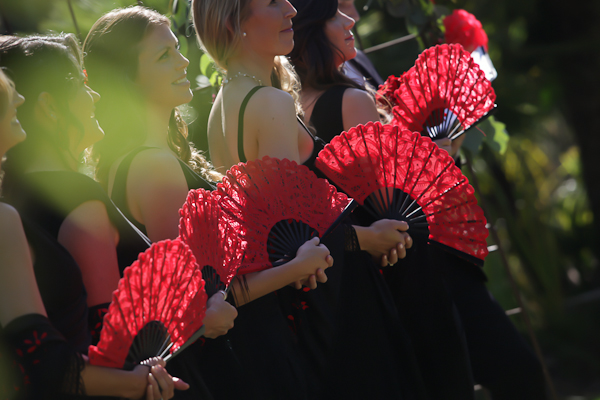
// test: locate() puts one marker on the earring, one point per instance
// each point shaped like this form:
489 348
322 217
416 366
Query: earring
244 34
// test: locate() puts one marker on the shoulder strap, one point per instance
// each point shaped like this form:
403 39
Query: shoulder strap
241 154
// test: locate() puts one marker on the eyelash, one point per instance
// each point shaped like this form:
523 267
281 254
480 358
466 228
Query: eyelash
164 55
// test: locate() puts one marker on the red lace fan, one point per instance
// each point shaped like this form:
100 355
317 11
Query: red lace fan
159 304
279 205
398 174
443 95
214 242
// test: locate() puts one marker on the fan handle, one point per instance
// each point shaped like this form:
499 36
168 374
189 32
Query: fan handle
190 341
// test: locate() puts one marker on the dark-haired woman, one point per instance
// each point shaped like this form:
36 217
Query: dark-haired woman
66 214
333 103
44 364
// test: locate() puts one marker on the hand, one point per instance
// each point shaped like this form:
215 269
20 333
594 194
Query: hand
388 241
219 316
312 259
160 385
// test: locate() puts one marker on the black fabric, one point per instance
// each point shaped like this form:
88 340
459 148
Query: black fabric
119 190
326 116
362 63
47 367
349 325
503 362
48 197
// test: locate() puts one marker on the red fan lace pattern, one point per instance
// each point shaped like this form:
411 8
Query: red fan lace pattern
442 95
159 300
277 202
402 175
216 244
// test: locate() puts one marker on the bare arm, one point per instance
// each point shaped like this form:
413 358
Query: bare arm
156 190
358 107
311 258
274 120
18 287
88 236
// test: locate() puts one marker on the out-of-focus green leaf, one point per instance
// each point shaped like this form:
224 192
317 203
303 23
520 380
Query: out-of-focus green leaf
206 64
183 45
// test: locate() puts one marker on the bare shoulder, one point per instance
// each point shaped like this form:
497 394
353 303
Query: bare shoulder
271 103
358 107
155 164
9 218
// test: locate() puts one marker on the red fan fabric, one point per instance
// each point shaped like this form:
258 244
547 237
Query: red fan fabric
443 77
372 157
258 194
463 28
212 239
164 284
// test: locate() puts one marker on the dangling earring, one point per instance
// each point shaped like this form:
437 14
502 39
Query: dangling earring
244 34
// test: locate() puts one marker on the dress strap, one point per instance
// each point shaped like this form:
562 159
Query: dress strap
241 154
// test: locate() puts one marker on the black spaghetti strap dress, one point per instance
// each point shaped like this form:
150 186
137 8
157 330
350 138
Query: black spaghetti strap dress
419 292
187 365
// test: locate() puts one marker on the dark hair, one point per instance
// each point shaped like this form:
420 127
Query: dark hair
111 56
314 55
38 64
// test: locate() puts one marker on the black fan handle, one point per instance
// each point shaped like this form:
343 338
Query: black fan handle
347 211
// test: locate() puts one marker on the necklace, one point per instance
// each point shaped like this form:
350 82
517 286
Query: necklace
241 74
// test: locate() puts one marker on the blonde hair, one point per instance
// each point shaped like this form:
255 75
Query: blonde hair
218 25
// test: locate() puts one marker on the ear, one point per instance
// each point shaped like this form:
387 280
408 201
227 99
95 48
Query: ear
46 109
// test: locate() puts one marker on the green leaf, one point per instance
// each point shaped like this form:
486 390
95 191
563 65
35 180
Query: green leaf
206 62
497 136
216 78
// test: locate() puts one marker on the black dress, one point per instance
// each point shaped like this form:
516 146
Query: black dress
44 199
419 292
188 364
259 357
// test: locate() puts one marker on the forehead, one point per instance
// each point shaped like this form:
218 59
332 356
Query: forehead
157 37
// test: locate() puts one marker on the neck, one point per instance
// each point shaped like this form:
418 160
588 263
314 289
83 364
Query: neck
260 67
158 127
49 158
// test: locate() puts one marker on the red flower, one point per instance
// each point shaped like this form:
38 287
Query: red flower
463 28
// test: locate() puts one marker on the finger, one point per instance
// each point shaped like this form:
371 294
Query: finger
393 256
298 285
401 251
312 282
401 226
315 240
154 386
329 261
321 276
149 392
164 380
408 242
179 384
384 261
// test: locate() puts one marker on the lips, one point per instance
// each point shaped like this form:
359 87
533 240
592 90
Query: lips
350 37
290 29
183 79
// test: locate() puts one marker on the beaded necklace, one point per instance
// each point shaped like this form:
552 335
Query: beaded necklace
241 74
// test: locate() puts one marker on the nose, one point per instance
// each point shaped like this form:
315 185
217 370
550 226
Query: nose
290 11
183 62
95 95
19 99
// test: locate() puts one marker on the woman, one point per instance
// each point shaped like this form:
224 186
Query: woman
255 114
334 103
59 205
145 161
51 366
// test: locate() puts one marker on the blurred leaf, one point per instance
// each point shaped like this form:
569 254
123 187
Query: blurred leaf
183 45
206 64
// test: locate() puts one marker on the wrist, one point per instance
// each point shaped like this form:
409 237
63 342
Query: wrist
364 236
